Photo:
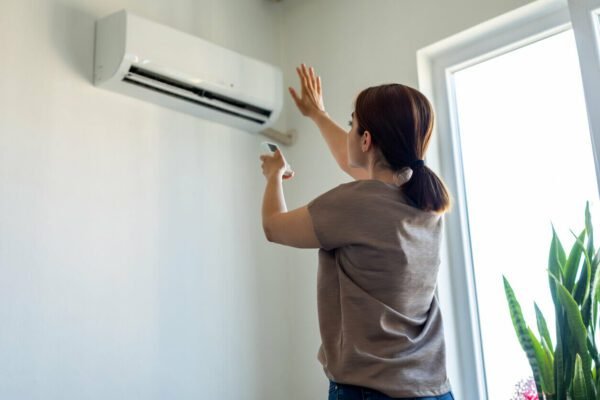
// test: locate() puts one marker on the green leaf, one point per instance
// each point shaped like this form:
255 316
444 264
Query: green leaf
592 348
555 265
589 228
595 310
522 332
572 263
596 259
578 334
542 327
559 371
579 383
582 288
561 354
590 305
544 364
549 353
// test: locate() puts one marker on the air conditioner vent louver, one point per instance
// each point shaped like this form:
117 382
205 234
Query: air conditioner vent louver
163 84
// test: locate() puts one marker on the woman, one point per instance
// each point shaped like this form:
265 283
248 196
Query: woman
379 239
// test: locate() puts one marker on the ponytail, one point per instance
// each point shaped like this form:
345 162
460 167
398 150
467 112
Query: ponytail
427 191
400 120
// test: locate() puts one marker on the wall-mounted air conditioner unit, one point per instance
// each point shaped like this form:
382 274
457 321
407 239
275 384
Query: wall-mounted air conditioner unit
155 63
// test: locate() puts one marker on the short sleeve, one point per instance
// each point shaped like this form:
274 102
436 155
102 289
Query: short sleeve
335 216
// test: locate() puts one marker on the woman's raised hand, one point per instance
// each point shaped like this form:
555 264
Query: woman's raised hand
310 103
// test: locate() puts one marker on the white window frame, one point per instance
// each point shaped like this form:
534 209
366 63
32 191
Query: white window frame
585 15
436 64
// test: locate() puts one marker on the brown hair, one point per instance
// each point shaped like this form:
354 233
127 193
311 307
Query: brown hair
400 120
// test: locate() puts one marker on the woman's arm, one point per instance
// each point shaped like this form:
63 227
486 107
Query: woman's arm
310 104
336 138
290 228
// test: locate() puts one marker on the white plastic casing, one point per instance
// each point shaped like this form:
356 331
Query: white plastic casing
124 40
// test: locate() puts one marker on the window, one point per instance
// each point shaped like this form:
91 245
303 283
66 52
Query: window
527 161
519 147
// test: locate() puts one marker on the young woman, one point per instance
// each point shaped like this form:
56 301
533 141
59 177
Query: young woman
379 245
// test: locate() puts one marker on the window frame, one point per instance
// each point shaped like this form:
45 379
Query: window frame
585 17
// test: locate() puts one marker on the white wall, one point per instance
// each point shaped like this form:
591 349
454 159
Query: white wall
132 259
354 44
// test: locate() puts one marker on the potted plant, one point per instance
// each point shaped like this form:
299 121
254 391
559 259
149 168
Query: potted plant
569 370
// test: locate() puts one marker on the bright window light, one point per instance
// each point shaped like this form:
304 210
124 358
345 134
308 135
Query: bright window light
528 162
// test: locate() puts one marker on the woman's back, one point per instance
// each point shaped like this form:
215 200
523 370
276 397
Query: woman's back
380 323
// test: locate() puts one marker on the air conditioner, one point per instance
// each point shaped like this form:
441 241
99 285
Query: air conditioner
156 63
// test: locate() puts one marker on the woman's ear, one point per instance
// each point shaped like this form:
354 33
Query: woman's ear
365 141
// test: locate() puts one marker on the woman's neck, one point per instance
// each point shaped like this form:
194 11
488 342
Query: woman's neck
384 175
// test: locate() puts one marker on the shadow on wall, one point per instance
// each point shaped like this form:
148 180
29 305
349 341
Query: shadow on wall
72 33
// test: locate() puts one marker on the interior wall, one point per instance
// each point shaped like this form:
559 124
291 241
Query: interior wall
132 259
354 44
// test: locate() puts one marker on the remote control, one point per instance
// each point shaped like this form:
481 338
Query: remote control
270 149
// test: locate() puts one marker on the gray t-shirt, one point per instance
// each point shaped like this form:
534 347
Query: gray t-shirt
380 321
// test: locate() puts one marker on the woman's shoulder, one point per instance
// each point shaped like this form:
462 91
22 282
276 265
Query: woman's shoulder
389 193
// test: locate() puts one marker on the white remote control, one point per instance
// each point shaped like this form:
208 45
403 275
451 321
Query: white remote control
270 149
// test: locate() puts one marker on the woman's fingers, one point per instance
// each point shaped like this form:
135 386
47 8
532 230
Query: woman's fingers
311 83
310 99
294 96
310 77
304 76
303 80
313 78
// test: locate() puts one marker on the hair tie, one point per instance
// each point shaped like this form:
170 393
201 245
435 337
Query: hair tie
417 163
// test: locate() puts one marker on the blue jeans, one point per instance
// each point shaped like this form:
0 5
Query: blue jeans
342 391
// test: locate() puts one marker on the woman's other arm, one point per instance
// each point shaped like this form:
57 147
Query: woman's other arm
336 138
310 104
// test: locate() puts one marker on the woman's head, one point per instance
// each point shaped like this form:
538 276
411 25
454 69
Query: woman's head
391 127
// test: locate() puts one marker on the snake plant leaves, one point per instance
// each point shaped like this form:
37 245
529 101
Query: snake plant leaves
590 307
589 228
559 252
549 354
561 390
582 288
522 332
542 326
572 263
591 303
579 335
595 300
549 380
570 371
579 391
556 260
550 357
595 311
592 348
561 354
544 364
